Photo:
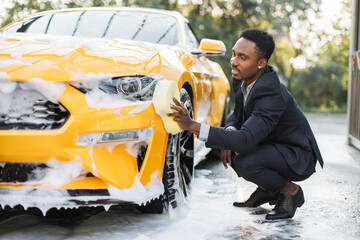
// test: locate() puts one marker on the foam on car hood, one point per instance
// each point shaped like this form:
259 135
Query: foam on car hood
64 59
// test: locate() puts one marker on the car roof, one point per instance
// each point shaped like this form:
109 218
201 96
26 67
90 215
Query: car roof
128 9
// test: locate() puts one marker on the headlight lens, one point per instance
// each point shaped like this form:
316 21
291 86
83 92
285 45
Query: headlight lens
139 87
128 85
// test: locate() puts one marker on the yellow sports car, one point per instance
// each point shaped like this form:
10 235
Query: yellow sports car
84 97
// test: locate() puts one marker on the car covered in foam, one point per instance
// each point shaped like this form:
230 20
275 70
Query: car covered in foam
79 123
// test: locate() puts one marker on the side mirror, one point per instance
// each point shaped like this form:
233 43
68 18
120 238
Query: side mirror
210 47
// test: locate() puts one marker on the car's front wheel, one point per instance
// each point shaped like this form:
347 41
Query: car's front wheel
178 168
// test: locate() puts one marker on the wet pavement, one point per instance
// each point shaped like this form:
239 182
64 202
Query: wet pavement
331 209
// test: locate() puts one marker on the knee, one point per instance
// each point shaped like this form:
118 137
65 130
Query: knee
246 167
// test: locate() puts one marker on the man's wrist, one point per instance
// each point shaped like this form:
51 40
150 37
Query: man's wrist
195 127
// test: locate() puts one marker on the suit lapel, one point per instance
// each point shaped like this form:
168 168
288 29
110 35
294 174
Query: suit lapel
258 82
239 100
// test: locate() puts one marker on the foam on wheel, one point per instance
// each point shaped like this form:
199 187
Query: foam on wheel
178 169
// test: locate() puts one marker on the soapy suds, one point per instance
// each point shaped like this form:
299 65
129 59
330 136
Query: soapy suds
18 100
51 90
89 80
6 86
4 76
45 198
99 99
60 173
93 164
142 107
16 55
9 63
56 44
138 193
133 147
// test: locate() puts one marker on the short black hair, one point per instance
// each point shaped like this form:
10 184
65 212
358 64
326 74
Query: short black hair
264 41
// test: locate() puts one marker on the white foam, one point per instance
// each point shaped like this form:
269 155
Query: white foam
4 76
51 90
142 107
44 199
91 153
60 173
138 193
90 80
99 99
9 63
16 55
56 43
6 86
17 99
133 147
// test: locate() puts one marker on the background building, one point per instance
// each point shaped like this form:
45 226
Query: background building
354 78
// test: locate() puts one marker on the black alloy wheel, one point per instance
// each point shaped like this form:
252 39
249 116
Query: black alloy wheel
178 169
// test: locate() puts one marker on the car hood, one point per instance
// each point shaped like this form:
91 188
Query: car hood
24 57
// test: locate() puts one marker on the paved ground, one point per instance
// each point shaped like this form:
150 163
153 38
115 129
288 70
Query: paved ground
331 209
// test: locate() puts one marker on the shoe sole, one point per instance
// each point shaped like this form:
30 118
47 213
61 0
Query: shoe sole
272 202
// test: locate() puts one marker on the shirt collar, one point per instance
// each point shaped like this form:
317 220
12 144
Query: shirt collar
248 88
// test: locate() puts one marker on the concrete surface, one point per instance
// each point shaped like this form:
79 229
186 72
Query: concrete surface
331 209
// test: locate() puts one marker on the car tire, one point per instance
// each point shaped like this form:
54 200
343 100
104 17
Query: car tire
178 168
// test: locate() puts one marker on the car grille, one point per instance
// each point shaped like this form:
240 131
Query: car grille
30 110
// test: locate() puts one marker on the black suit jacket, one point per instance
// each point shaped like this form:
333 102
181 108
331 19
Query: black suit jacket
270 116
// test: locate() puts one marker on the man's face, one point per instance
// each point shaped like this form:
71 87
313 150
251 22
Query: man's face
244 61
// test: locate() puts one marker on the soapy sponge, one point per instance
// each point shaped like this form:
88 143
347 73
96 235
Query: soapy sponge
164 92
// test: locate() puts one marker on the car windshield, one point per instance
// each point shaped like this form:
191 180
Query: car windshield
133 25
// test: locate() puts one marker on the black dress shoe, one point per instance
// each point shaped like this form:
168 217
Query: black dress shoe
260 196
286 206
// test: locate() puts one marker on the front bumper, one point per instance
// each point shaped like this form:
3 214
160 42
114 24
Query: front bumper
107 164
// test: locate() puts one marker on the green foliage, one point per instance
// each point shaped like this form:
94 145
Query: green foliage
321 86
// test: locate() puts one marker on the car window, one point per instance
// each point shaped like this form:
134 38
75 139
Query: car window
142 26
190 38
64 23
39 25
36 24
155 28
12 28
93 23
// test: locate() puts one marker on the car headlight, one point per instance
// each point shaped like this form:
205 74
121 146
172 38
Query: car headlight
138 87
137 135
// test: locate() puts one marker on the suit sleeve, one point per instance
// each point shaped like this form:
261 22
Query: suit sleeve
268 107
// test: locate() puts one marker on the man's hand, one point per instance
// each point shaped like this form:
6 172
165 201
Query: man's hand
225 156
182 117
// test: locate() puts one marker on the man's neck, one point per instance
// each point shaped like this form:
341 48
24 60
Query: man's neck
247 82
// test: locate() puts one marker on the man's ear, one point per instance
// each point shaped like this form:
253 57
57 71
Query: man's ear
262 63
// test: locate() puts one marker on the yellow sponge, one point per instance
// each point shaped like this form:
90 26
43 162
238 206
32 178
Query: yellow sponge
164 92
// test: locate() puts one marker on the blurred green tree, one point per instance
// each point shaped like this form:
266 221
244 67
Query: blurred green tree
323 85
287 20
